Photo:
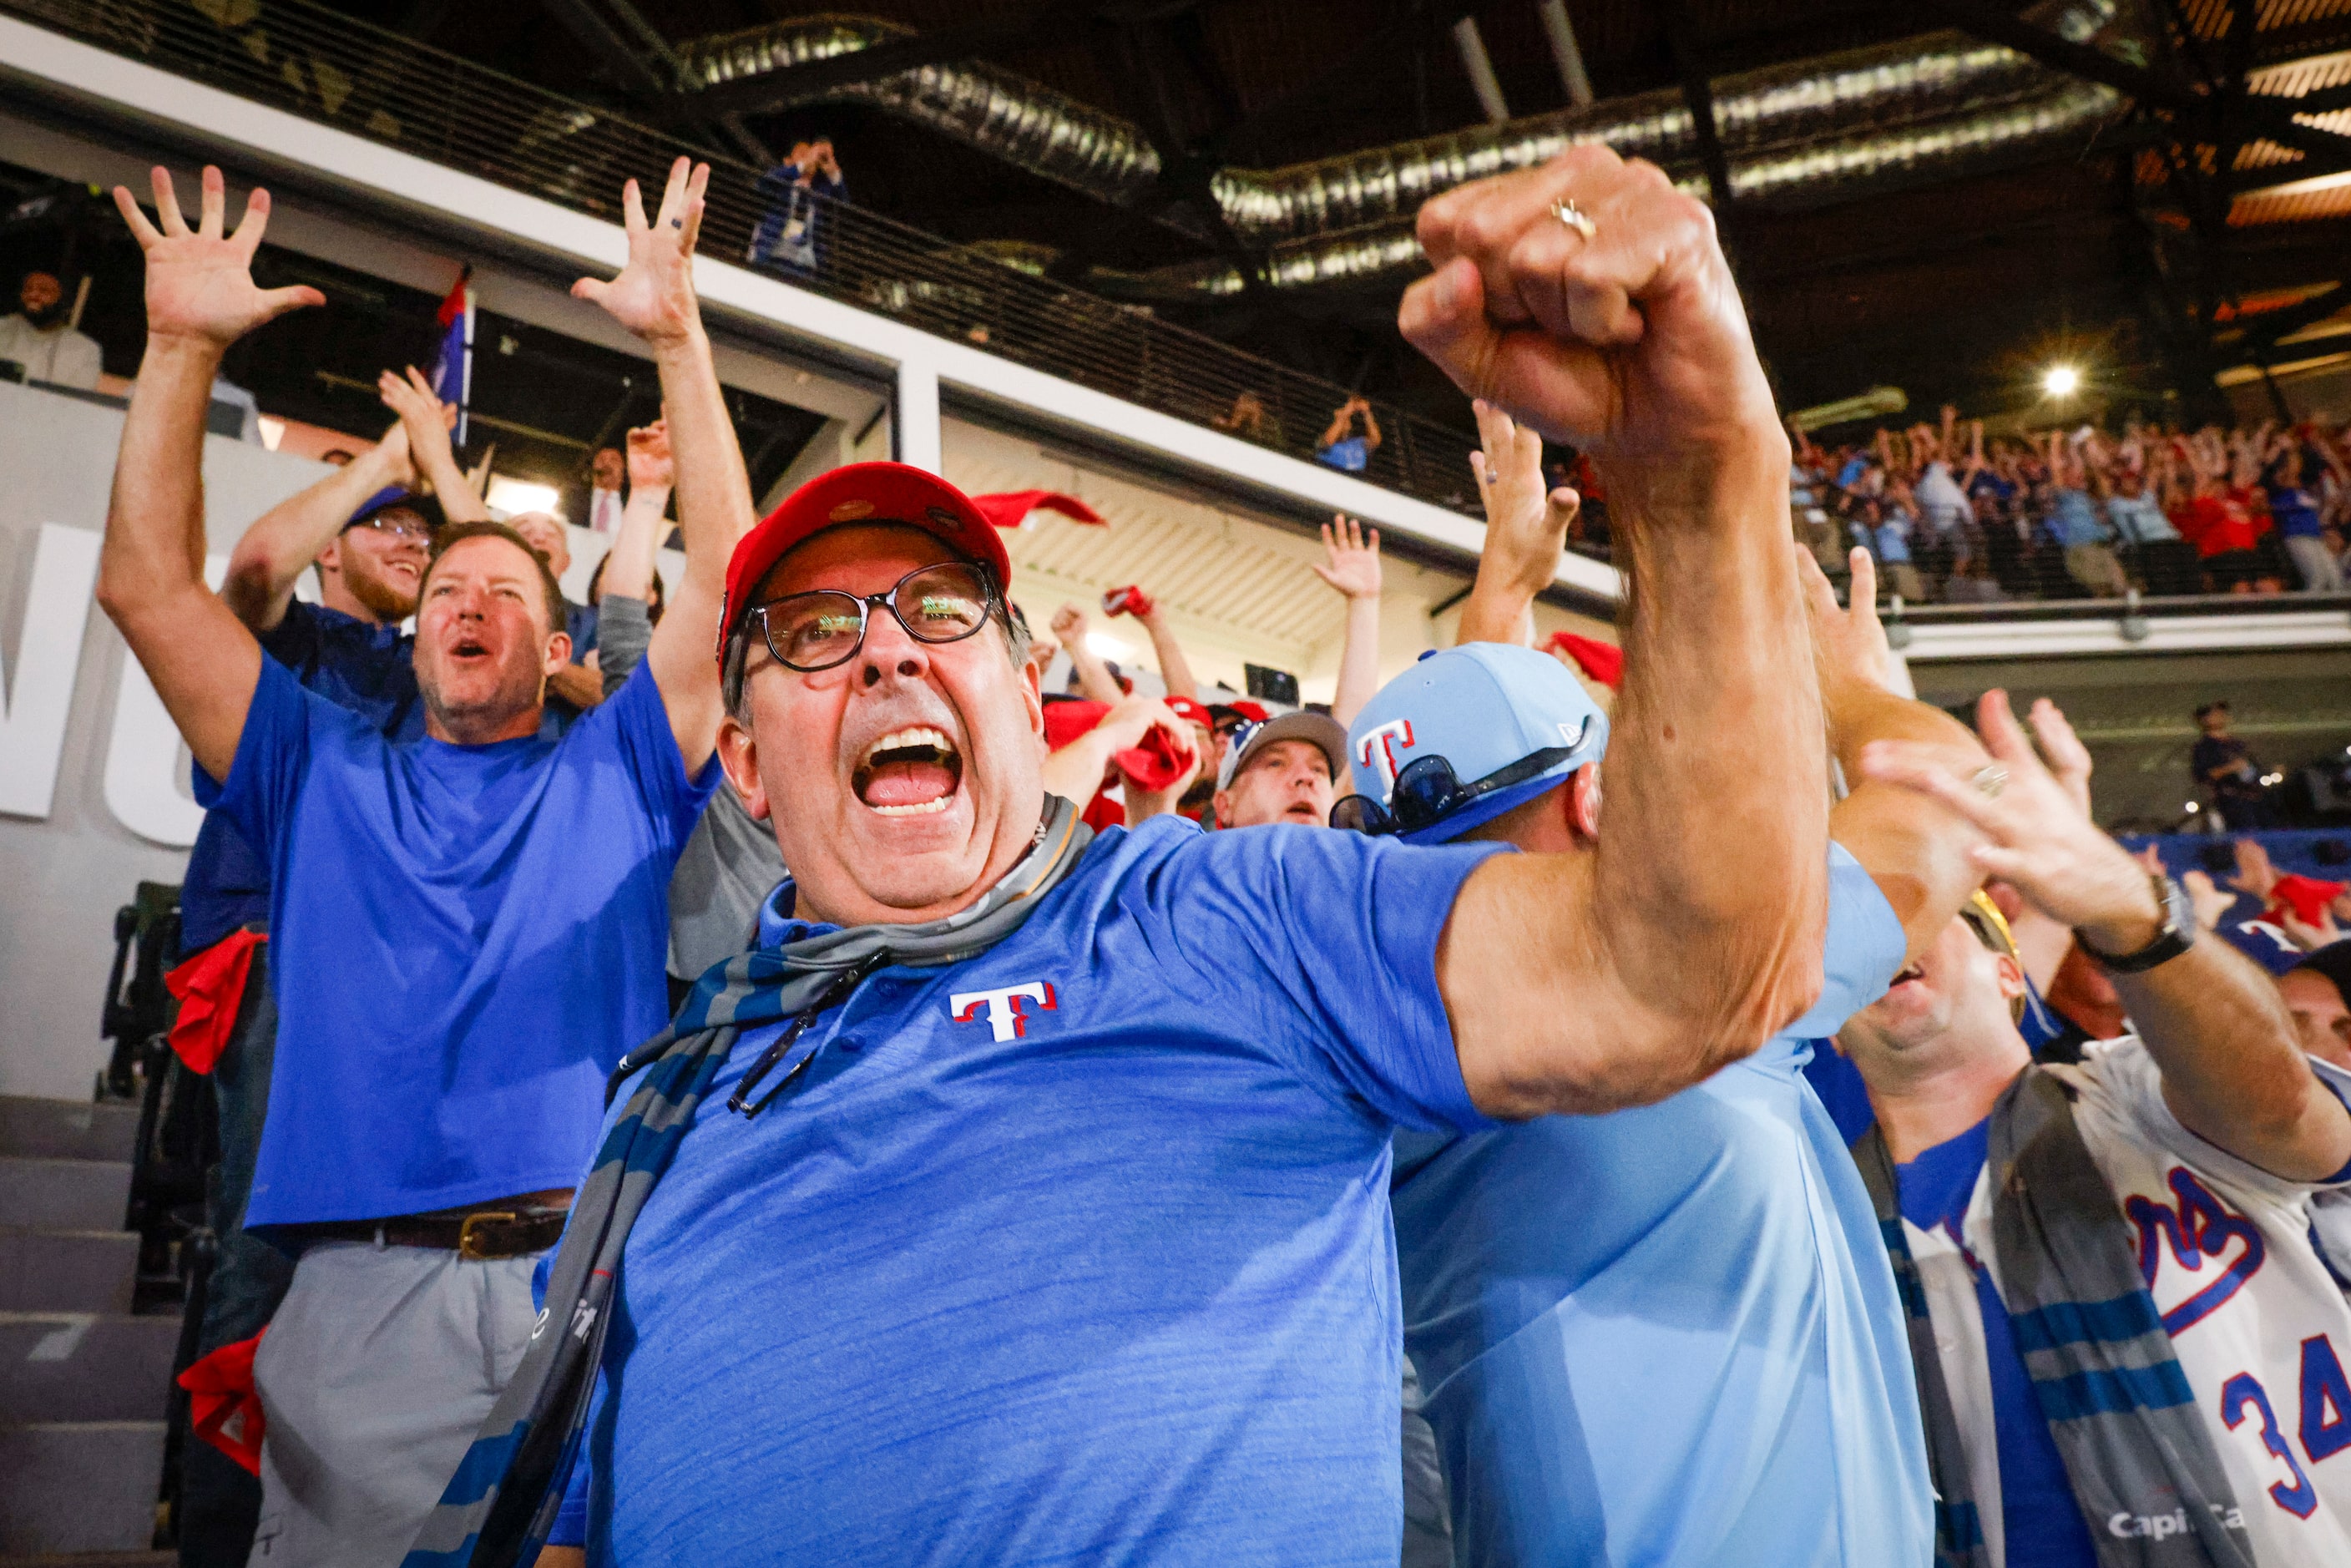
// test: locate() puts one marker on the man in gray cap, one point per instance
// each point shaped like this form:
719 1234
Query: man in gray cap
1284 770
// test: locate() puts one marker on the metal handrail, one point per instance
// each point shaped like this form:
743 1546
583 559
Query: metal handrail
298 56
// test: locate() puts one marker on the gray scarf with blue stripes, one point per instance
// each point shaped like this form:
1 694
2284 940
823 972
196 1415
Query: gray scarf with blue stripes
497 1509
2141 1463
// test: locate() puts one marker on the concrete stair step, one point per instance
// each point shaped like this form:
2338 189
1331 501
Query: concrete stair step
66 1270
67 1129
85 1367
64 1194
78 1485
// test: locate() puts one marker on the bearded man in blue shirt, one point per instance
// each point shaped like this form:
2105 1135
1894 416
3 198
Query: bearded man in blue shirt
1023 1199
468 926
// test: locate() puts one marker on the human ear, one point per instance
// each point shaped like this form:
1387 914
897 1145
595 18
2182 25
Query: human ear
1584 802
738 755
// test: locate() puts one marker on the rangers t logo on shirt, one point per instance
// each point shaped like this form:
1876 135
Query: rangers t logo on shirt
1005 1013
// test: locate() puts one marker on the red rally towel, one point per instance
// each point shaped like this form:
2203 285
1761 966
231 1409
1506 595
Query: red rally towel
1006 509
224 1409
1158 762
1602 662
2307 896
209 986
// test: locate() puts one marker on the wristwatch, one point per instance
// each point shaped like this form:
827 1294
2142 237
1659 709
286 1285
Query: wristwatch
2178 932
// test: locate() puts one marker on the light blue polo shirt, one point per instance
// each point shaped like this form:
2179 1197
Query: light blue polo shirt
1670 1334
1075 1252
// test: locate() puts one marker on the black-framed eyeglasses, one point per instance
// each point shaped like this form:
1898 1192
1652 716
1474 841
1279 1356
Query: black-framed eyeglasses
1428 791
817 630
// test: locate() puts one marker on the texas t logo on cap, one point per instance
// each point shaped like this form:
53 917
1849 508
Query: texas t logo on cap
1378 749
1005 1013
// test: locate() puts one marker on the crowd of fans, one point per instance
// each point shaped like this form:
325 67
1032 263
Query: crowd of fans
1950 516
1011 1169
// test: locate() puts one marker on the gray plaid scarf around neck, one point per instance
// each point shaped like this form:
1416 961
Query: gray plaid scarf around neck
2103 1369
498 1507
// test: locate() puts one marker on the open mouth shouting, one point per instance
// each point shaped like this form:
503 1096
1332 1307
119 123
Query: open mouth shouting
1912 972
466 650
909 772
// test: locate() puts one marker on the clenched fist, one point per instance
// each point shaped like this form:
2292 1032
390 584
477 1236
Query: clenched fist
1630 344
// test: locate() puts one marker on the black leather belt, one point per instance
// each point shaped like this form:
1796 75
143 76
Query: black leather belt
479 1234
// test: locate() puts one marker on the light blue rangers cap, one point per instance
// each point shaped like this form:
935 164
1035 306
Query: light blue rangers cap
1482 706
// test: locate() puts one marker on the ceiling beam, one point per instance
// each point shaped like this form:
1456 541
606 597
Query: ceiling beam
1698 93
2324 152
1028 27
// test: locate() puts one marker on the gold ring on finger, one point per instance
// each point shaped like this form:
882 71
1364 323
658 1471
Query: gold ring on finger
1575 217
1990 779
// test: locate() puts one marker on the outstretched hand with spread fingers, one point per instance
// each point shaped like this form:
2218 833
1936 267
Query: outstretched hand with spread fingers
653 296
2043 842
200 287
1353 550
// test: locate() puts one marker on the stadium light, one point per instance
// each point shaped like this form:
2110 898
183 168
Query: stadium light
514 497
2061 381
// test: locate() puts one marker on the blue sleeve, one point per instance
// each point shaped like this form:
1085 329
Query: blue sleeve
273 757
1330 938
1863 953
570 1526
637 724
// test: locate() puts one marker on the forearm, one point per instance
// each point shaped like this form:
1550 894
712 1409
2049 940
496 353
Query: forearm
1075 772
438 467
282 543
1915 849
2233 1072
629 568
1713 865
154 541
1174 668
202 663
1500 606
714 490
1359 661
1094 682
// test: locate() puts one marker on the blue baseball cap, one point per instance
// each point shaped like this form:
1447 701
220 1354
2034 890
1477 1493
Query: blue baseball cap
385 499
1482 706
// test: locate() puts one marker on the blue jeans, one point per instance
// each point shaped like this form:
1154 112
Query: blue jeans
219 1503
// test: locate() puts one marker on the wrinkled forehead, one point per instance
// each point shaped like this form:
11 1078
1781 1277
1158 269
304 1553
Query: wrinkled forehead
486 557
859 558
1285 755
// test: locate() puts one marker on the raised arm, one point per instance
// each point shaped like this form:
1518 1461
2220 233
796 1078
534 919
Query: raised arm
426 420
626 626
1175 670
1372 437
1094 682
1354 569
1693 932
653 297
1526 529
2233 1071
637 546
201 297
1915 848
278 548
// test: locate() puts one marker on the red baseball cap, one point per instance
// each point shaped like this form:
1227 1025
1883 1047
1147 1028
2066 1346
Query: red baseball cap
860 493
1191 711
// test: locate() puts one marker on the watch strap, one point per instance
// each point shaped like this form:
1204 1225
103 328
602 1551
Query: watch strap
2176 934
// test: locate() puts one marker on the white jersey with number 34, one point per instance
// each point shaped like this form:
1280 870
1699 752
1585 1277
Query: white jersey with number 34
2261 1328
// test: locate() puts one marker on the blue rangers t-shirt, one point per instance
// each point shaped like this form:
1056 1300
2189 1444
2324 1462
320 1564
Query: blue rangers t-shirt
466 938
1670 1334
1077 1251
